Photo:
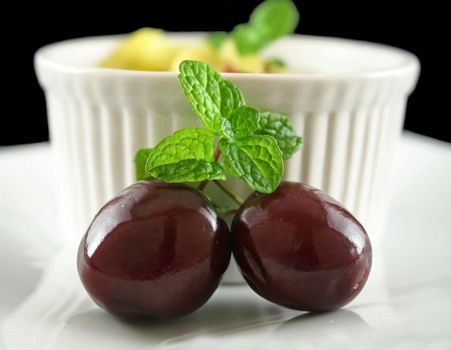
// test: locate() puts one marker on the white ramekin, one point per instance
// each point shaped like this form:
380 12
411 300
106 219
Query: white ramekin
348 101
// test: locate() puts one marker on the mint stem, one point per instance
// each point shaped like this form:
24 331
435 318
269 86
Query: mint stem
228 192
217 153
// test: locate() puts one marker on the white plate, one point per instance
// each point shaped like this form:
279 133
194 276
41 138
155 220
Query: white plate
406 304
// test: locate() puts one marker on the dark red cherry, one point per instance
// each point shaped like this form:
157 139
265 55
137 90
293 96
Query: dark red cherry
155 250
299 248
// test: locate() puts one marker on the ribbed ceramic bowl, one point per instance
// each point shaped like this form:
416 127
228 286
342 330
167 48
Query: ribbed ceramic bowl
347 98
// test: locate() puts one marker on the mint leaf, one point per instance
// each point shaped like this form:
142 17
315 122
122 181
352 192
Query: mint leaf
278 126
231 98
245 121
226 128
255 159
141 157
247 39
277 62
189 170
216 39
185 156
192 143
211 97
269 21
200 84
274 18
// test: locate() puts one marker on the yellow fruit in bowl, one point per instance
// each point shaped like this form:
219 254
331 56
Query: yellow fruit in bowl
158 56
145 49
201 52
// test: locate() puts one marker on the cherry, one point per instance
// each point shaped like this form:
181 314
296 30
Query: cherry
155 250
299 248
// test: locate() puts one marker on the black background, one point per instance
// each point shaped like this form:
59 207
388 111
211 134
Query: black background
415 26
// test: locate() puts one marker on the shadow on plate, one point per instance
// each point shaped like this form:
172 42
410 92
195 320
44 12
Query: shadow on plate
335 329
99 329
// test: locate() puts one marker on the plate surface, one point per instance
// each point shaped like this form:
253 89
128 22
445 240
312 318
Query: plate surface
405 305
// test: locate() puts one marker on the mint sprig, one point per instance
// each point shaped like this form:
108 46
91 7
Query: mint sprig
269 21
253 143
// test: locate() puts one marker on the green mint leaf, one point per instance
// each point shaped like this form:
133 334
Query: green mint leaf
231 98
189 170
211 97
247 39
200 84
269 21
278 126
245 121
191 143
274 19
255 159
277 62
185 156
216 39
141 157
226 129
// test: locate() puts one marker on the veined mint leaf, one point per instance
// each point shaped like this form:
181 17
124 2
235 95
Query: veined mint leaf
278 126
245 120
192 143
255 159
274 19
216 39
200 84
188 170
141 157
211 97
231 98
226 128
185 156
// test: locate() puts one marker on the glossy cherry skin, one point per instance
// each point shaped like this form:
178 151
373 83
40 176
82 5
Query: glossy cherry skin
156 250
299 248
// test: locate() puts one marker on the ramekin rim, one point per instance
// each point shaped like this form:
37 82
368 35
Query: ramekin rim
409 65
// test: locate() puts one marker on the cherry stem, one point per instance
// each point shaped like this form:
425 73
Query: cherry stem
216 155
228 192
230 212
233 196
202 185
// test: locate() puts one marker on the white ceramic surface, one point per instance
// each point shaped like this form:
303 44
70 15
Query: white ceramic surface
348 104
405 305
